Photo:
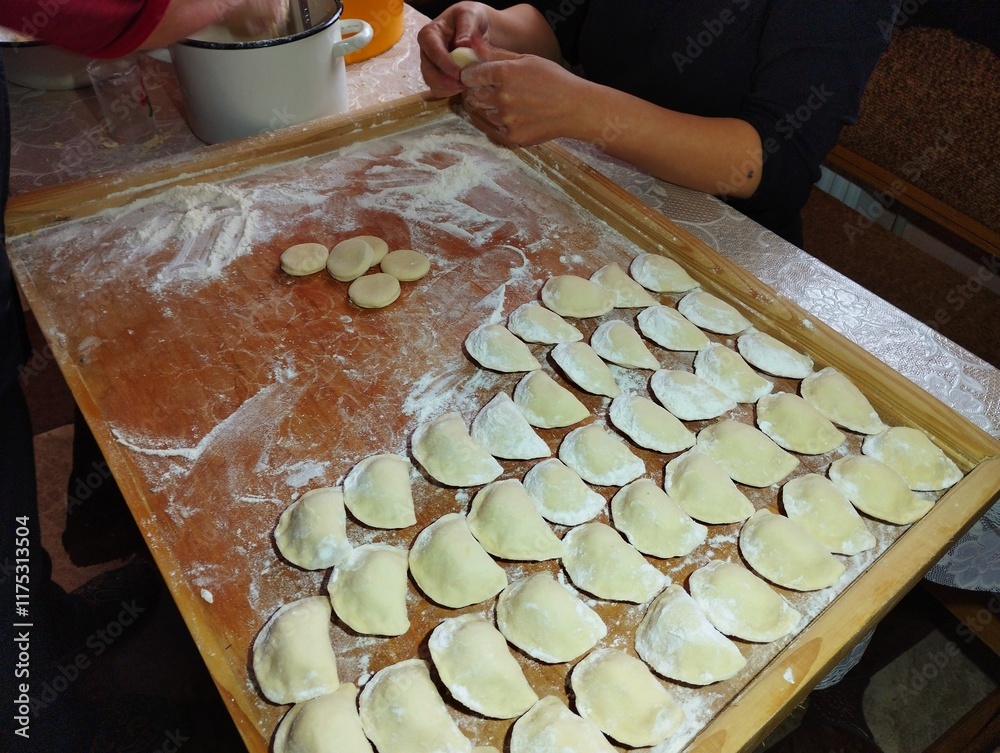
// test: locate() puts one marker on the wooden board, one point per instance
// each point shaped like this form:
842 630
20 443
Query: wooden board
218 399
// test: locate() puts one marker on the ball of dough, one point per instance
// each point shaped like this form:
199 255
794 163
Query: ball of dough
464 56
406 265
349 259
304 259
374 291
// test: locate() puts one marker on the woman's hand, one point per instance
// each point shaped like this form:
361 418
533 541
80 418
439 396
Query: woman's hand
255 18
530 99
184 17
520 29
465 24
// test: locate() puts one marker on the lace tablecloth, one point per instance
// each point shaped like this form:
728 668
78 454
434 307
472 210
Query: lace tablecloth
58 137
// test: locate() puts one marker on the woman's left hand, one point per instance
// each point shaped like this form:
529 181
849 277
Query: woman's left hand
530 99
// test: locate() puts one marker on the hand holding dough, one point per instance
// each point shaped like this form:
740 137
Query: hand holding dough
463 56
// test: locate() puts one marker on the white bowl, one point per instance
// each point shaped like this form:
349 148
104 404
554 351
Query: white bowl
38 65
236 88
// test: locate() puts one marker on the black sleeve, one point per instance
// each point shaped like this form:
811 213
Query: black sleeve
566 18
815 57
13 338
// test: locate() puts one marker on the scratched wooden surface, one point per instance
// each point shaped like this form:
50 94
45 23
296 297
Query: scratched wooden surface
220 398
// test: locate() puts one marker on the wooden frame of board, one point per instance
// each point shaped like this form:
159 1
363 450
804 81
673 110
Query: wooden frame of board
769 696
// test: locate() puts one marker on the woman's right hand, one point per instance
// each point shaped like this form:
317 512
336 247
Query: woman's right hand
465 24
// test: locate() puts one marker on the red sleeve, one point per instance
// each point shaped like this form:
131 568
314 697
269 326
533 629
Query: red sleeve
96 28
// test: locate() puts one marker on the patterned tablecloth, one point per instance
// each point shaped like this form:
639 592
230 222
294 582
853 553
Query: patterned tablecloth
59 137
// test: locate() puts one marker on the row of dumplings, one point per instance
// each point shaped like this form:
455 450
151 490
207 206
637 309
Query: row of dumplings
681 637
450 559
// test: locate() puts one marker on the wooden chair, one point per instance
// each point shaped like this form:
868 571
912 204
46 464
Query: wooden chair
925 144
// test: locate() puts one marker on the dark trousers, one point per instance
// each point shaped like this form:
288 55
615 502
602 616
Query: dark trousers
33 610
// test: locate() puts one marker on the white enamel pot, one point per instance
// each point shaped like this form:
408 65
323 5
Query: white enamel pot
238 88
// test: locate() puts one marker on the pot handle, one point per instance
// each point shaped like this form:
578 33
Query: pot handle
361 34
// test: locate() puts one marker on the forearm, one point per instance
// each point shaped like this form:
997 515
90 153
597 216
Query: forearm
184 17
521 28
714 155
